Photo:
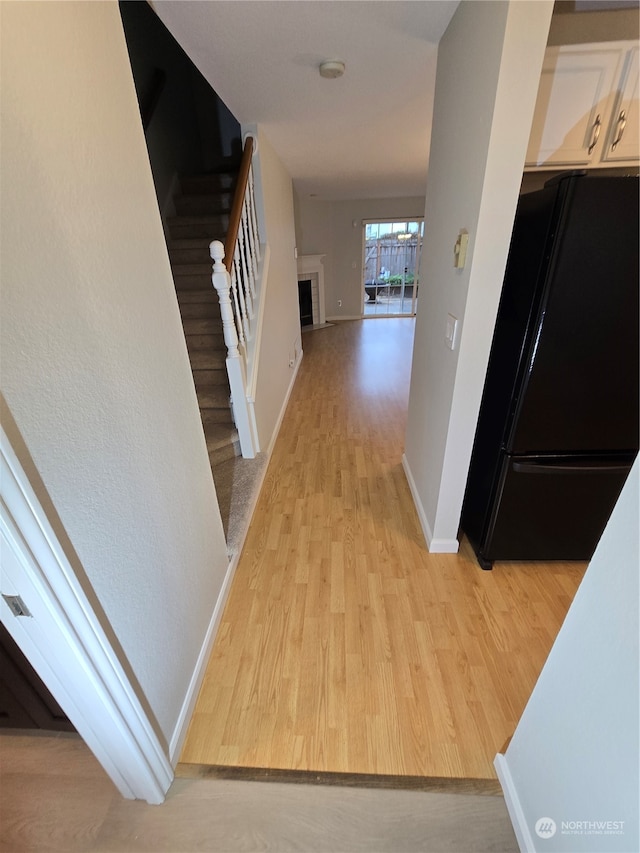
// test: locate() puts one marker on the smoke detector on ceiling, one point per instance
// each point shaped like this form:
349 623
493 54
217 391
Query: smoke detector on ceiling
331 69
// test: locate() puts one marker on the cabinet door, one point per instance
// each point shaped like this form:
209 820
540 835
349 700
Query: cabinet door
623 143
574 104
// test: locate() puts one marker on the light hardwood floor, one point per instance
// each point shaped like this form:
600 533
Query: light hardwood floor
56 797
345 646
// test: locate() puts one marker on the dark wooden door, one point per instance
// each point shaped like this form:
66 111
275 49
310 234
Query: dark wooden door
25 702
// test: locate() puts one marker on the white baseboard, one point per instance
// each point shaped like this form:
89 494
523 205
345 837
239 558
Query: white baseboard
514 807
184 717
283 408
180 732
339 317
186 712
435 546
428 535
444 546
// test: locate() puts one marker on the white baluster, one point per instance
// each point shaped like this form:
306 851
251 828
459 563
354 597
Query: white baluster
236 307
243 257
254 221
250 288
239 292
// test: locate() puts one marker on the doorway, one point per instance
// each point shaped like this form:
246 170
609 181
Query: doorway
25 701
391 261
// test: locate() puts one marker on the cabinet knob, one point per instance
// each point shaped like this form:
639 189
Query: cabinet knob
622 123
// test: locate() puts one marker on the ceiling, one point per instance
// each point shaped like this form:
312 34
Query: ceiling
364 135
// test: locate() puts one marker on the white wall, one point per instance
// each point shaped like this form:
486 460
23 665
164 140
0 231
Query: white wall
281 337
489 64
326 227
95 373
574 755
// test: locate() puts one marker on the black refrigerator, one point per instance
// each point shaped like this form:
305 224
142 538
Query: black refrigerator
558 425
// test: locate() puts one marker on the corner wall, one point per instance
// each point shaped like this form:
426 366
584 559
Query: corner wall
574 756
489 63
95 375
280 341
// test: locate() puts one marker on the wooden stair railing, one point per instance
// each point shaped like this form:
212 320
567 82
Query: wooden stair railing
235 281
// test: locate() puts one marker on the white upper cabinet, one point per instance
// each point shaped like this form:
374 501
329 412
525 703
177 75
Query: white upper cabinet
583 91
623 142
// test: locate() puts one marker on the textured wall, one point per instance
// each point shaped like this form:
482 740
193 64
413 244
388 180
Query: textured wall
95 372
574 755
280 338
489 64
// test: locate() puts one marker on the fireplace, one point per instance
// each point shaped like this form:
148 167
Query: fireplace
305 300
311 282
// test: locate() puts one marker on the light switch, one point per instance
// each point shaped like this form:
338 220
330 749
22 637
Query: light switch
451 334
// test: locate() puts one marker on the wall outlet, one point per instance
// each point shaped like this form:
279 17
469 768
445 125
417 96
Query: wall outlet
339 303
293 354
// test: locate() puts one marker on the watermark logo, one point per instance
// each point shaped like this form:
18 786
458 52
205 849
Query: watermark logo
592 827
545 827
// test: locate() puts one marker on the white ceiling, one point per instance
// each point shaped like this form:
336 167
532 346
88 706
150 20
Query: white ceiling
364 135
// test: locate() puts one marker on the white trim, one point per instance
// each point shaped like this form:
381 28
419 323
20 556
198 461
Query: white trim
67 646
386 219
428 535
514 807
444 546
285 403
435 546
254 355
186 712
184 717
338 317
250 134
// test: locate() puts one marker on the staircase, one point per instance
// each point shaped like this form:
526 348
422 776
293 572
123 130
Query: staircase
202 215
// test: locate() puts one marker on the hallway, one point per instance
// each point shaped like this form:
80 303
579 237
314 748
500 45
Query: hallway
345 646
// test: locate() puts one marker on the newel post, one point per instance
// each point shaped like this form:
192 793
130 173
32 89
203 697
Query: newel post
222 283
235 364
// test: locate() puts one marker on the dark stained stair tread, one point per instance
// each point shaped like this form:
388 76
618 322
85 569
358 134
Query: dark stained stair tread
202 210
213 183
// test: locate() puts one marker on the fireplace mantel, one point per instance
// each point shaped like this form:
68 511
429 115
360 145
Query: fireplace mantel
311 266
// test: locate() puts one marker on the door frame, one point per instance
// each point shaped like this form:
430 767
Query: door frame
416 273
63 639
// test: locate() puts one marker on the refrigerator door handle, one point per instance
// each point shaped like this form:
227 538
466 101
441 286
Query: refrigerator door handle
568 468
